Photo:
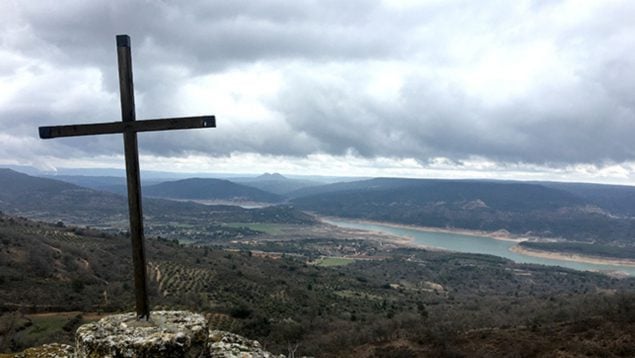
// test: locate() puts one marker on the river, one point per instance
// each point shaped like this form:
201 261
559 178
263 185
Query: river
472 244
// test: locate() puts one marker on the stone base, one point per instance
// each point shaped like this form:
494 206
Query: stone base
166 334
51 350
228 345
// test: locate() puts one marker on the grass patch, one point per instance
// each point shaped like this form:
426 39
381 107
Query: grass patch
37 329
358 295
267 228
43 326
333 261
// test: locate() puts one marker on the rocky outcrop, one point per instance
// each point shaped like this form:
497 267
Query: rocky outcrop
166 334
228 345
53 350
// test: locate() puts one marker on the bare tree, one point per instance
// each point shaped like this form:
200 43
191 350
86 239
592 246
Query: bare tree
292 347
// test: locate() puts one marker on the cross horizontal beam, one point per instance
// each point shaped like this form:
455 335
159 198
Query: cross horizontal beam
147 125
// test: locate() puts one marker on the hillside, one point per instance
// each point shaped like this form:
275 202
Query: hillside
209 189
354 185
573 212
113 184
88 181
512 196
276 183
520 208
47 198
38 197
617 199
53 201
15 185
405 302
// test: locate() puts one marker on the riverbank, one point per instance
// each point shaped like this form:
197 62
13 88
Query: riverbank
572 257
387 238
502 235
498 235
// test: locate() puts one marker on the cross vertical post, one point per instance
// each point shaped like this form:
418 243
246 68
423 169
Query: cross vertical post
129 126
131 151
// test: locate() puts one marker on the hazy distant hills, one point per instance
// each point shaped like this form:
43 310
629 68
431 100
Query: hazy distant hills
53 200
88 181
14 185
512 196
32 195
581 212
520 208
617 199
199 189
600 199
376 184
113 184
209 189
45 198
276 183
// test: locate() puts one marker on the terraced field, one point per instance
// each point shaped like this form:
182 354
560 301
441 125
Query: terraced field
175 279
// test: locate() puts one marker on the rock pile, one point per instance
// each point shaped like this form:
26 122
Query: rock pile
53 350
167 334
229 345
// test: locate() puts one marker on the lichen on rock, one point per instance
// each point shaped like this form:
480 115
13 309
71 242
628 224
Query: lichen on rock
166 334
170 334
229 345
52 350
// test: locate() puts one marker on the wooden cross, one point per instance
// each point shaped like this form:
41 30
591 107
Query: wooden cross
129 127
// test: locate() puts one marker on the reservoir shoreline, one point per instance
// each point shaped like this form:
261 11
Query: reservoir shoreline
501 235
572 257
498 235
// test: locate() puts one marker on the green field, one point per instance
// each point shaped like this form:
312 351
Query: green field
267 228
333 261
37 329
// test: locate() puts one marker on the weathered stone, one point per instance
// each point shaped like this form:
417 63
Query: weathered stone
53 350
166 334
229 345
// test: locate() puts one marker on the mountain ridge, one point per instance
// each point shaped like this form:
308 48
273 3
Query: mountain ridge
526 209
275 183
52 200
209 188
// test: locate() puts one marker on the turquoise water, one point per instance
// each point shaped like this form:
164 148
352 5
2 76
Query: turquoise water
473 244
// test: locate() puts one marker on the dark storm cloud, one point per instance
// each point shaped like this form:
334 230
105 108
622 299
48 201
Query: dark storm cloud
203 35
585 124
576 105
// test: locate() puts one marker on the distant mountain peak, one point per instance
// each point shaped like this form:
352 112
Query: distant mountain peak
271 176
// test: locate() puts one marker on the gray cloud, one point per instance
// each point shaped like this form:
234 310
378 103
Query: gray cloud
574 105
553 126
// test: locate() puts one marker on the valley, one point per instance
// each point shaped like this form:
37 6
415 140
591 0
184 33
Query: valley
556 220
328 179
282 275
337 292
520 250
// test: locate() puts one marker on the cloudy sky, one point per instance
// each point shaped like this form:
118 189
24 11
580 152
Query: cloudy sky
487 89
